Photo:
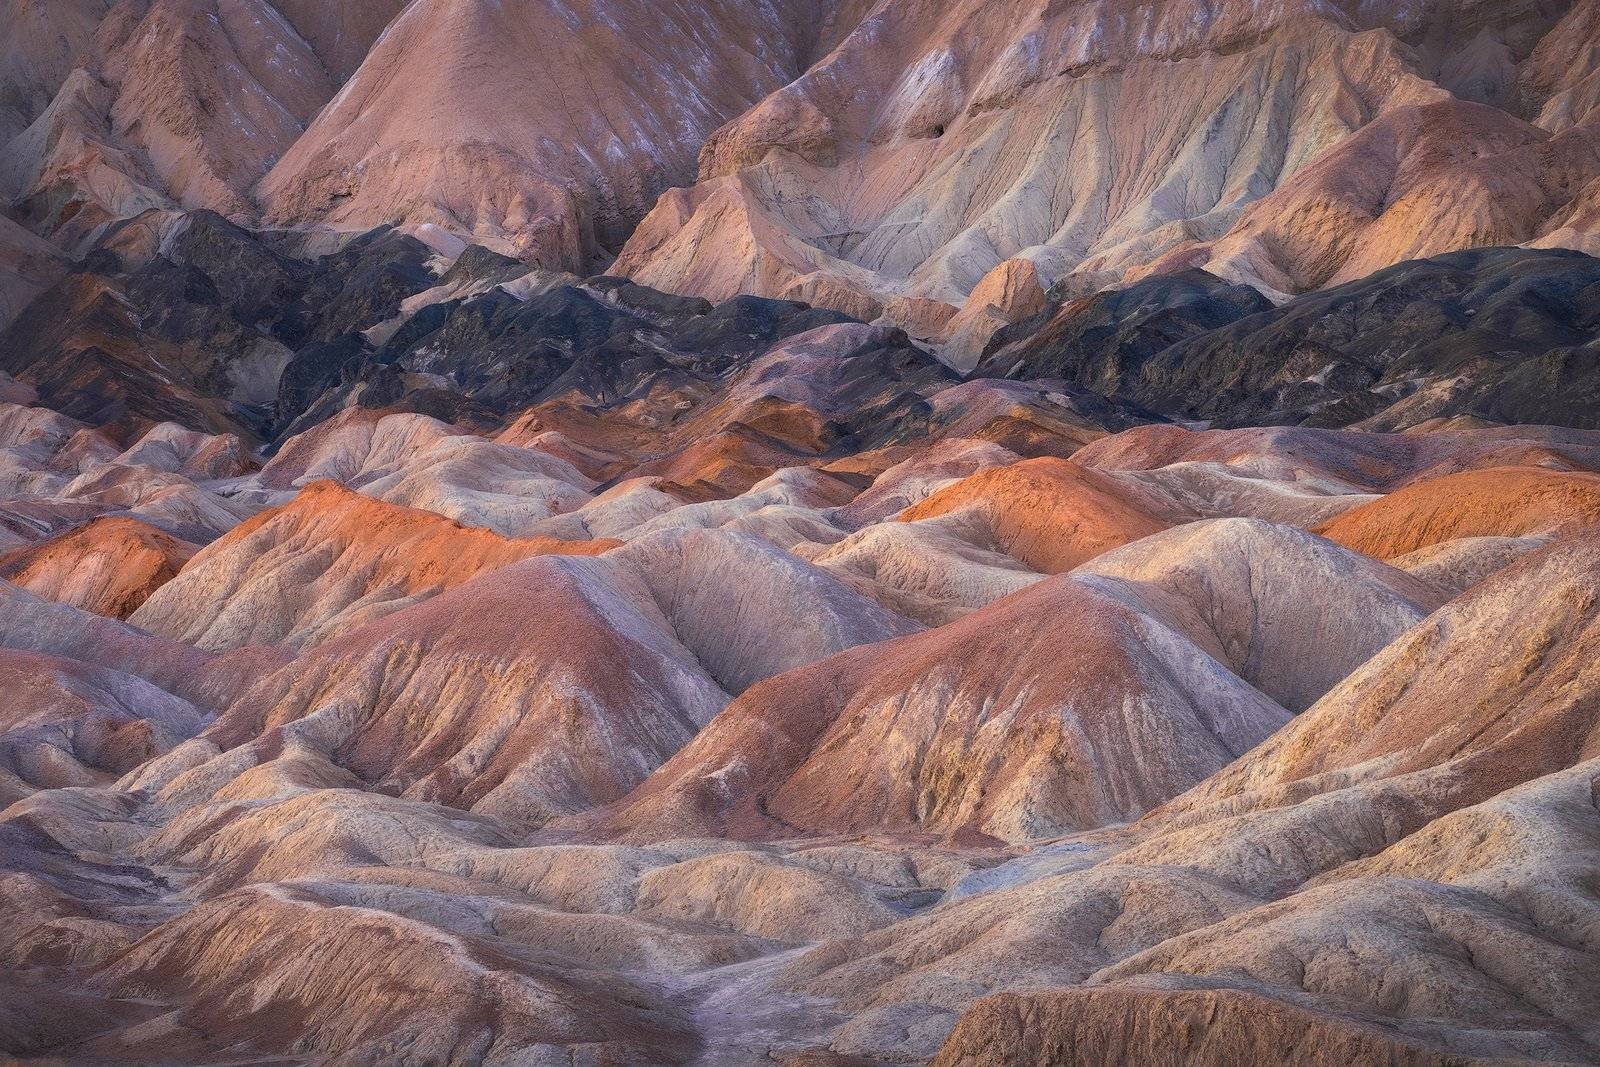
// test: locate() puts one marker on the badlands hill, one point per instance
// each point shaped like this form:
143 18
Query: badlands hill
914 748
943 167
724 532
347 114
985 150
553 160
109 566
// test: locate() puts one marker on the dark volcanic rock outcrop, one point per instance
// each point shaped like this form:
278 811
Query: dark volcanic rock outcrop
1505 335
1101 341
194 320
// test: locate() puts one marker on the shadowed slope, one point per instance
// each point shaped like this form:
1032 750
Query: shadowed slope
1288 612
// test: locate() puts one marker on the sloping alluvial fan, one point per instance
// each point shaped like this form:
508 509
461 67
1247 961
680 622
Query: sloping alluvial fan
834 534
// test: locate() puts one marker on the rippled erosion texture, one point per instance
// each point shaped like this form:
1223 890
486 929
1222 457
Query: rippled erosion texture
823 534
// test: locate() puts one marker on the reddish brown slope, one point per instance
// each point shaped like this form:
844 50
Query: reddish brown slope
328 560
109 566
1499 502
1051 514
1053 709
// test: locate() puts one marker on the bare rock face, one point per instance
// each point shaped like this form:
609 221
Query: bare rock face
1415 183
37 55
340 34
1489 335
174 103
112 110
30 266
1008 293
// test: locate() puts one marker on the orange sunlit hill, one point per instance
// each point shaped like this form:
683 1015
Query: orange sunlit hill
859 533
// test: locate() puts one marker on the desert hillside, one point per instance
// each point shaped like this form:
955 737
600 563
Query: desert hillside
737 532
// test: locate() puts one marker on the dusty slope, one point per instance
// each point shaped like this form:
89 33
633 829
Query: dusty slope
1415 183
28 266
995 723
1522 691
1456 565
460 997
57 474
326 562
521 711
964 542
1498 502
111 110
1047 513
1288 612
109 566
1204 1026
940 152
174 103
553 160
897 129
1369 462
1400 872
1259 881
42 41
69 723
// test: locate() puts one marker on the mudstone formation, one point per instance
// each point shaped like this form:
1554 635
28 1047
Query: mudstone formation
828 534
